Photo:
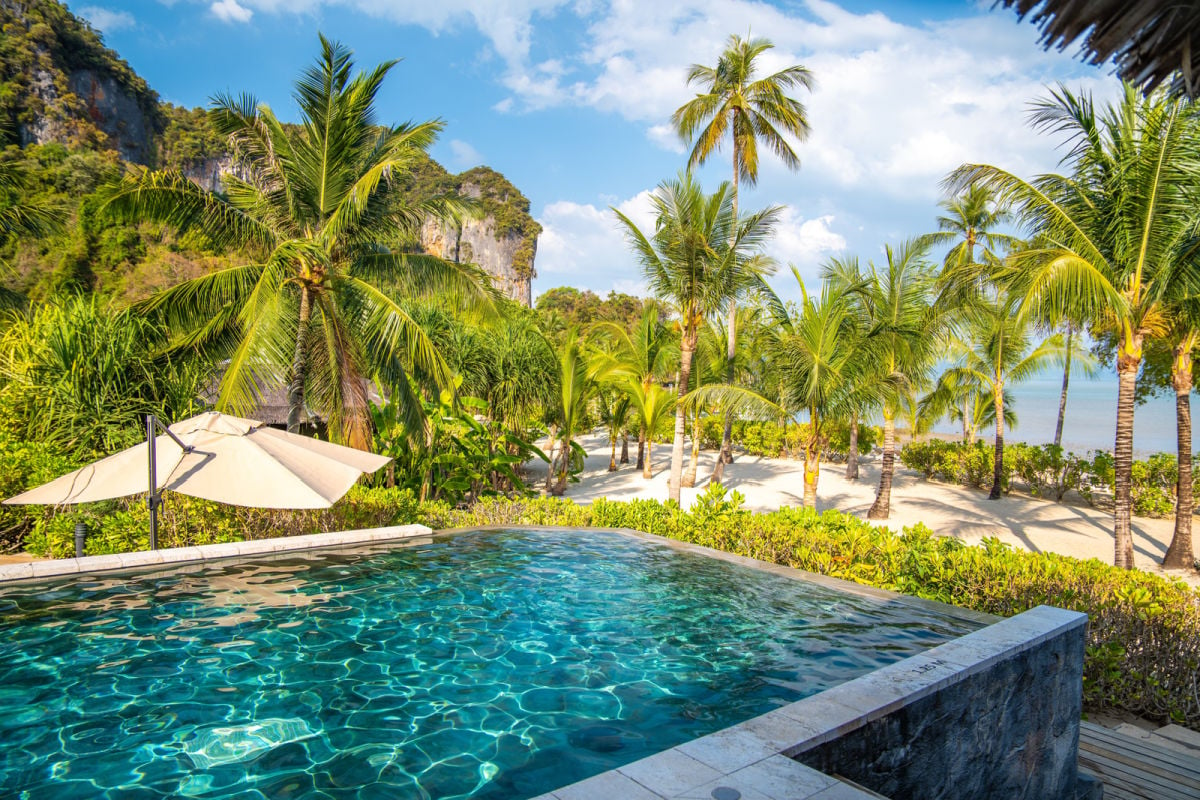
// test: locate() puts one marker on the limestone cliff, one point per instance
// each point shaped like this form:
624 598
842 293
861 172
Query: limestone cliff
502 239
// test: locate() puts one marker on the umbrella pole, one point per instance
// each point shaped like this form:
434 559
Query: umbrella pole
152 495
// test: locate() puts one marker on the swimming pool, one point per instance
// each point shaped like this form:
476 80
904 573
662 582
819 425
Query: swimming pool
485 664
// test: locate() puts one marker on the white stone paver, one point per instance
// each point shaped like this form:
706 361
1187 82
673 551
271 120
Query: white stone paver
670 772
728 750
606 786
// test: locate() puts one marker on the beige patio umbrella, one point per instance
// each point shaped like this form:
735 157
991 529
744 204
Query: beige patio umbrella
216 457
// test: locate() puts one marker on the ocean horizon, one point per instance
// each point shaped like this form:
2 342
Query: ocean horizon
1091 417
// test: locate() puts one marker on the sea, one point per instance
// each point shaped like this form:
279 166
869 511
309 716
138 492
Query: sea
1091 418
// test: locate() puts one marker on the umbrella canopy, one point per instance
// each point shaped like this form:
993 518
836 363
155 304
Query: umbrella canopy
227 459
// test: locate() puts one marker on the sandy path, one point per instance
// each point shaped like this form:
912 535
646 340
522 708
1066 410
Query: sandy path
768 483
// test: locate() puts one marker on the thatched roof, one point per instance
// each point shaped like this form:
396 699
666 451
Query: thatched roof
1152 41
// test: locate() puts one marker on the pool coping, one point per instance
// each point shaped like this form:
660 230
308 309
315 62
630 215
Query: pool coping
182 556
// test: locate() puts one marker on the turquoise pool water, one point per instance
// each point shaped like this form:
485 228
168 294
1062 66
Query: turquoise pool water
486 665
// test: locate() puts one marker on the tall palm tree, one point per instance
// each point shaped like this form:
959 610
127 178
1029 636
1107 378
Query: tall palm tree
970 221
325 229
696 258
1113 239
731 100
998 351
1183 337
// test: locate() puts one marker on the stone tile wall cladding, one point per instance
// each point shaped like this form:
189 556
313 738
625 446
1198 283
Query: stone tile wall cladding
1008 731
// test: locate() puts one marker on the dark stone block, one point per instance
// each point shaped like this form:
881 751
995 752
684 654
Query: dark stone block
1008 732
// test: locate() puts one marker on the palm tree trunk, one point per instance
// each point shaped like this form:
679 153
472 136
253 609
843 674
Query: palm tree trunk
1179 554
852 455
882 507
812 461
564 467
550 466
689 477
685 373
726 456
1062 398
612 456
966 420
998 463
1128 360
647 471
296 384
624 447
641 459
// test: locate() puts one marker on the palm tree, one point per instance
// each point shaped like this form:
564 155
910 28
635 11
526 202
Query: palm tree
1113 239
1183 337
970 221
615 409
998 351
644 354
654 405
325 227
732 100
697 257
902 331
816 358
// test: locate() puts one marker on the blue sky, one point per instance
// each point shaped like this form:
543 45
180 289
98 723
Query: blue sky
571 100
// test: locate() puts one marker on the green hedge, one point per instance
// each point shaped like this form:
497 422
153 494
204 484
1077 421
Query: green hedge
1143 638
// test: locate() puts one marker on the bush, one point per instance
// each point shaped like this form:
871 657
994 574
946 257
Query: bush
1143 647
970 465
770 440
1046 470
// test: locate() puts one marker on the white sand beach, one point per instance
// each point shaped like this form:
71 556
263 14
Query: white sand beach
1073 529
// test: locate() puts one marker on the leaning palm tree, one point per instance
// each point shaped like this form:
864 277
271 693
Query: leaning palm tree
750 110
1113 239
326 230
696 258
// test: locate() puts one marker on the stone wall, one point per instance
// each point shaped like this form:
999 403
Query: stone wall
1005 727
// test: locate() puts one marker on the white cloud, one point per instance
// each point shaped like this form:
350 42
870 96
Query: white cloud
107 20
231 11
464 155
583 245
805 242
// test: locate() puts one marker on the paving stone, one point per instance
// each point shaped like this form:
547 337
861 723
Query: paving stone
610 785
728 750
670 772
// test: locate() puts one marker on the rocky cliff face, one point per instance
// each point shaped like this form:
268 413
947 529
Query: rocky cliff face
105 103
477 242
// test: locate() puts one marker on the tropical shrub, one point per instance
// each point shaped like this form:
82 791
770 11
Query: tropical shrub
970 465
770 439
1046 470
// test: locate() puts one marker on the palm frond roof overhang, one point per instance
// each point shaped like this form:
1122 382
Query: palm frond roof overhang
1153 42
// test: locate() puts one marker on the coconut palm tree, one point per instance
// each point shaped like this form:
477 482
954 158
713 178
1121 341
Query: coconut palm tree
654 405
698 256
903 328
326 230
816 358
644 354
1114 238
731 100
1183 337
998 351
